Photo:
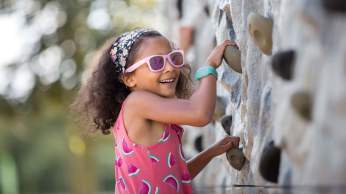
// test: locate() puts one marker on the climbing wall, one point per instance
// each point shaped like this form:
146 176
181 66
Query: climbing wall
287 100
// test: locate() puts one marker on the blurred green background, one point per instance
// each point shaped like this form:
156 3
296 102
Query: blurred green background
45 46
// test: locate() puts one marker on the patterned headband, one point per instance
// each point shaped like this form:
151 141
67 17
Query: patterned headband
121 47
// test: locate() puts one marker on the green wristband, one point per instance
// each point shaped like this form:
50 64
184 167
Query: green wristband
205 71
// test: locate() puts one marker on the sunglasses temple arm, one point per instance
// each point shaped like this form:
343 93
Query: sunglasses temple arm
135 66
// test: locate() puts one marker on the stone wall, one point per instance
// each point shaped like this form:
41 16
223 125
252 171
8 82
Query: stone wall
294 95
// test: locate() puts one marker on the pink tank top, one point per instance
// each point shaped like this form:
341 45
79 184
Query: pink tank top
159 168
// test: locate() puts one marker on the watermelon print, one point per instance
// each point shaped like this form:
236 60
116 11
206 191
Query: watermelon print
157 190
185 177
132 170
181 153
170 160
172 182
145 187
165 136
122 183
125 148
153 158
154 169
118 161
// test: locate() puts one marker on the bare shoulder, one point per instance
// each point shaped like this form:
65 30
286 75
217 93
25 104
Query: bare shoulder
137 98
132 118
147 101
139 101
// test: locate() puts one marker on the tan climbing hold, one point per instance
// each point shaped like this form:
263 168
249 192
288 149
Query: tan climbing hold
301 102
232 56
236 158
227 9
261 30
219 108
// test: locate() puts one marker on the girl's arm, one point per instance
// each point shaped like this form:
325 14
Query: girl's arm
196 164
196 111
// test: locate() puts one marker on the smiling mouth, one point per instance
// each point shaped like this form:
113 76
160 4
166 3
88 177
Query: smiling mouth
167 81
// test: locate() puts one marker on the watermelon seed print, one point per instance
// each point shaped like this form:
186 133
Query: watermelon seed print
170 160
132 170
172 182
145 187
125 148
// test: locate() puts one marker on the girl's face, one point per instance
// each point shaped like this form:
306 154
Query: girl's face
162 83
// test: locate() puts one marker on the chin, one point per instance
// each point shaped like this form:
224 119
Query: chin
169 95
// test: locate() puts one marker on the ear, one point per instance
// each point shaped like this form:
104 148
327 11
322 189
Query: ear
129 80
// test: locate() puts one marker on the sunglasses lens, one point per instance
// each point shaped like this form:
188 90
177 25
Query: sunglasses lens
177 58
156 62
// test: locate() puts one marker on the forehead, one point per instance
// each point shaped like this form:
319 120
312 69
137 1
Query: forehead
154 46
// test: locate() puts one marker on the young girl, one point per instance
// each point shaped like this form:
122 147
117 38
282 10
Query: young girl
139 91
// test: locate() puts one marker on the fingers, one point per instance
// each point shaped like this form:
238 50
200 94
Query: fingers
232 140
228 42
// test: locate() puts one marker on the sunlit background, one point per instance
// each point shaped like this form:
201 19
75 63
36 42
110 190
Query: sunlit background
44 47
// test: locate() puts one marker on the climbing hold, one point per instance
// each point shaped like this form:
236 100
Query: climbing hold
219 108
199 143
226 122
283 64
270 162
301 102
338 6
227 9
232 55
236 158
261 30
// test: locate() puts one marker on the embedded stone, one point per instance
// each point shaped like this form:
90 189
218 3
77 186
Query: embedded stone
226 122
236 158
219 108
301 102
232 56
283 64
199 143
269 165
227 9
261 30
338 6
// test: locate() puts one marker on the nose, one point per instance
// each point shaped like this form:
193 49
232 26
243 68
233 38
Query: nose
168 66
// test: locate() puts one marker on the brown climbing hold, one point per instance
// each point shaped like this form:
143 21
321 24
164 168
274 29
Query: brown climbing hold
283 64
236 158
338 6
301 102
269 165
261 30
232 55
226 122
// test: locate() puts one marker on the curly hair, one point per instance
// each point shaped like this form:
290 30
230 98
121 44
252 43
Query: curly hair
101 94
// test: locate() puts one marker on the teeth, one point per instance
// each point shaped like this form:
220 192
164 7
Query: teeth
167 81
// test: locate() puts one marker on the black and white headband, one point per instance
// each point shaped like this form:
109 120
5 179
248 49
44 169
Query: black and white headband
121 47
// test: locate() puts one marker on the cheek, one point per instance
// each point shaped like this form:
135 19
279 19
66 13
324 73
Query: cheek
145 75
